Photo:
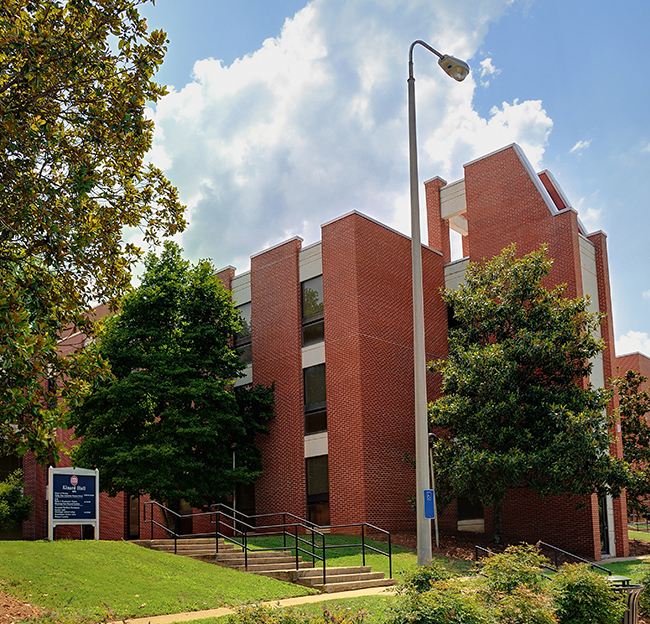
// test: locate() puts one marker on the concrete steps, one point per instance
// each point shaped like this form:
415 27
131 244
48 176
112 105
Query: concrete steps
276 564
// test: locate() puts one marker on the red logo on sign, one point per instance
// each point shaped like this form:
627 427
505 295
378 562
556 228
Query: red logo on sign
74 480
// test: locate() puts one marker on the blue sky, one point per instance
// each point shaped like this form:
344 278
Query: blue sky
284 114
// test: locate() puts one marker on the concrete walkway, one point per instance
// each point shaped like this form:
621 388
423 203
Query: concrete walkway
287 602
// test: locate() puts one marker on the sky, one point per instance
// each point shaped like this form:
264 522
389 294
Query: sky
284 114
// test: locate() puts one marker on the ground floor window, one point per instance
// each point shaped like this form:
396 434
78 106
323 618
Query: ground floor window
318 491
133 516
470 516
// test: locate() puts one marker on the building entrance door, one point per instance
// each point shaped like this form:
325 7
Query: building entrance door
604 526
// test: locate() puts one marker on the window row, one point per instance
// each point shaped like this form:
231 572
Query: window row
313 327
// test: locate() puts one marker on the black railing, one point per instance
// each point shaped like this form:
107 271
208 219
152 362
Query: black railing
238 528
557 552
175 517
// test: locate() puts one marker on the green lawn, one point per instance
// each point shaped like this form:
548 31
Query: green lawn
342 552
633 569
640 535
90 579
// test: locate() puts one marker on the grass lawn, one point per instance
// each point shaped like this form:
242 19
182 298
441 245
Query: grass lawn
88 579
640 535
344 553
633 569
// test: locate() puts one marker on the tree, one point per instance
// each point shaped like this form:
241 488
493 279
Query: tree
634 405
166 423
75 78
15 506
516 410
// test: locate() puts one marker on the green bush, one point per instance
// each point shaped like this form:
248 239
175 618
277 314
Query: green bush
525 606
264 614
420 580
14 505
516 566
454 601
583 596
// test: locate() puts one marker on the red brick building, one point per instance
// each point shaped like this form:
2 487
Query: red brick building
331 325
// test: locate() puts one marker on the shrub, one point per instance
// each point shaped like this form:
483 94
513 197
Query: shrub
583 596
447 602
14 505
525 606
264 614
516 566
420 580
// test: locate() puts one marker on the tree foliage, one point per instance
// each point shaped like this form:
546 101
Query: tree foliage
75 78
15 506
516 411
166 423
634 406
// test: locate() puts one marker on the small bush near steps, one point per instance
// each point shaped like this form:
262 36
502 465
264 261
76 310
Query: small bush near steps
585 597
510 590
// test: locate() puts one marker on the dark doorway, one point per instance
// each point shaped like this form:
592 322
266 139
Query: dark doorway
604 526
318 496
184 526
133 517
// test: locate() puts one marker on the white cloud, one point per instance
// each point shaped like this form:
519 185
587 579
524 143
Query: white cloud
487 70
314 124
591 217
632 342
646 148
646 294
580 146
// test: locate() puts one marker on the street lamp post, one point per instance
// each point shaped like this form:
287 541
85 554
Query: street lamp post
458 70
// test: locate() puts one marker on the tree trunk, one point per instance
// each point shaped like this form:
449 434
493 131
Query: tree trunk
496 522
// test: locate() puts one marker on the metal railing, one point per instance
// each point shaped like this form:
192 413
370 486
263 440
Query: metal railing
556 551
298 534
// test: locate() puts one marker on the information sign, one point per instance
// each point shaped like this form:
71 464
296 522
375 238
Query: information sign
73 498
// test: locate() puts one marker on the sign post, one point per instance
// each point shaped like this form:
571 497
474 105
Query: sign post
72 498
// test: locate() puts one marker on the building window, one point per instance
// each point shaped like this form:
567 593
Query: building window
244 339
313 327
470 516
452 321
315 399
318 489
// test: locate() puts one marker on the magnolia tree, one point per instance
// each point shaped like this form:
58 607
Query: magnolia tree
634 406
75 78
516 410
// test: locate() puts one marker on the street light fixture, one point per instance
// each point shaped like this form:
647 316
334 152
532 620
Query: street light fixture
458 70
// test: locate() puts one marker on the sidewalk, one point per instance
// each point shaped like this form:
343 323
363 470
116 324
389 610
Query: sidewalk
287 602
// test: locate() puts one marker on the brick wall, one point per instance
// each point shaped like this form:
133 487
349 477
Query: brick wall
633 361
277 357
369 364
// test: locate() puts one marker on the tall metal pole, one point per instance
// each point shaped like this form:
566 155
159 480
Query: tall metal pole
419 355
457 69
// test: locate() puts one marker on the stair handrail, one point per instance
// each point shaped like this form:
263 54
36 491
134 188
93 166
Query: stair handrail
220 514
320 528
283 529
556 551
177 516
568 554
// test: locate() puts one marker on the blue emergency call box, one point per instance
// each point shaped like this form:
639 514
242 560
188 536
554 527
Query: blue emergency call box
429 504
